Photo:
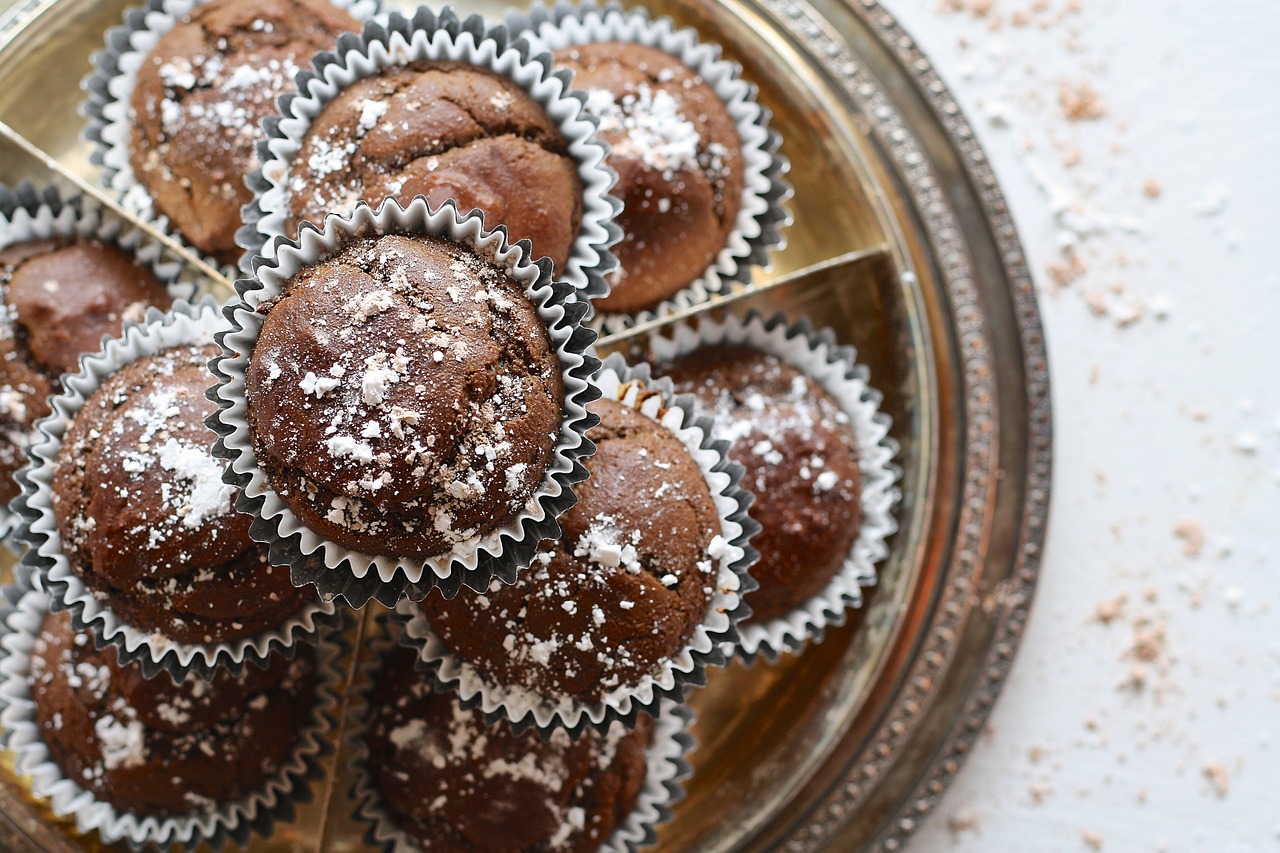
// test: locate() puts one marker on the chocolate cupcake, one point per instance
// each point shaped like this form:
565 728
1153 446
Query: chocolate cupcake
62 295
156 747
403 397
199 99
450 781
405 393
446 130
623 589
159 762
624 605
145 519
806 426
452 109
679 163
801 459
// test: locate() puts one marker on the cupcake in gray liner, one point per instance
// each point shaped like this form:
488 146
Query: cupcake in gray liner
481 785
699 175
805 423
70 273
403 401
160 761
634 599
177 99
447 108
129 521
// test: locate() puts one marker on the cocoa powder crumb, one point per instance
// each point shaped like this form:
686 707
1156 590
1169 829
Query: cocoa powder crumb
1080 101
1191 532
1218 777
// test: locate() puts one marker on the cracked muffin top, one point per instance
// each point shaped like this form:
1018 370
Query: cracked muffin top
446 130
200 98
404 396
145 518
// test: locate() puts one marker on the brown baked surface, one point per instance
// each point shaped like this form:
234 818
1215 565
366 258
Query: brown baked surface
145 518
445 130
154 747
199 100
452 782
404 396
621 592
802 464
679 163
60 298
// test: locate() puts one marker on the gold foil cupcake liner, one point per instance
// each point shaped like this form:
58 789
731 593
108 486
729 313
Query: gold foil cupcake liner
357 577
110 92
185 324
28 212
233 822
633 387
763 213
395 40
667 766
816 354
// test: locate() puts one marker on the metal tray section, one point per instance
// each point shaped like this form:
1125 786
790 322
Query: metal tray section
848 745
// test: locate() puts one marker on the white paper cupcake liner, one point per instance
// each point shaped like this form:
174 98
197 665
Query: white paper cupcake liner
110 93
230 822
394 40
763 214
667 766
185 324
834 367
633 387
28 212
336 570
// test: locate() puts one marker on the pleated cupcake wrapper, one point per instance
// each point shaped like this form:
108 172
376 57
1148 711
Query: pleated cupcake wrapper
28 212
230 822
667 766
763 213
394 40
633 387
834 367
357 577
185 324
110 93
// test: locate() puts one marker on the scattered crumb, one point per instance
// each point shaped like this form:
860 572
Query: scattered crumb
963 820
1140 796
1152 188
976 8
1218 777
1191 532
1091 839
1080 102
1108 611
1035 754
1070 269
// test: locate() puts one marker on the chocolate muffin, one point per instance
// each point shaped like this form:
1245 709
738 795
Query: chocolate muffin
60 298
200 98
452 782
404 397
446 130
801 460
145 518
154 747
679 163
623 589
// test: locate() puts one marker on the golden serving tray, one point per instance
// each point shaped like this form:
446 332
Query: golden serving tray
848 745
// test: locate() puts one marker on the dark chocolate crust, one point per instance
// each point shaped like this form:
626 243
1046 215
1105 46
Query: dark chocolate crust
60 298
679 162
200 98
446 130
620 593
801 461
155 747
404 397
144 516
452 782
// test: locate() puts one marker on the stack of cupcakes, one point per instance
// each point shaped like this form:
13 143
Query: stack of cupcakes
406 406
